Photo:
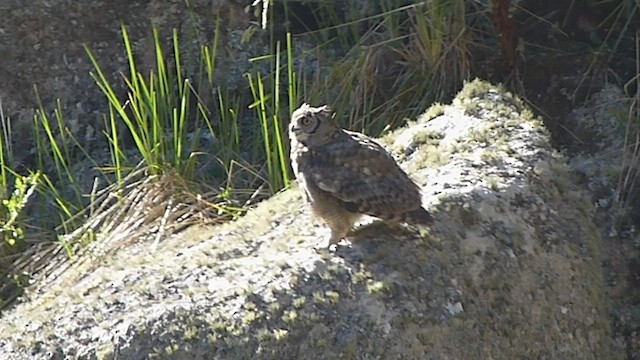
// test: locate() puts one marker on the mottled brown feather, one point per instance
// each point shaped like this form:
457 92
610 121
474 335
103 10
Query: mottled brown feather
363 176
344 172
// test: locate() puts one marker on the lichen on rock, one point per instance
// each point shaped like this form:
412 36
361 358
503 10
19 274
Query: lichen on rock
510 269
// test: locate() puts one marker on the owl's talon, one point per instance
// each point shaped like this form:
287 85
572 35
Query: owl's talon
320 249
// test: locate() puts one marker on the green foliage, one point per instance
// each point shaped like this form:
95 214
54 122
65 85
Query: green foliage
268 106
6 153
176 132
12 232
159 107
396 62
13 199
156 113
629 178
619 22
11 229
57 147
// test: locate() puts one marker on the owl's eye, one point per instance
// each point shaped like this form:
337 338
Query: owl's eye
305 121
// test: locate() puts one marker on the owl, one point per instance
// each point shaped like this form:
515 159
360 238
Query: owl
345 174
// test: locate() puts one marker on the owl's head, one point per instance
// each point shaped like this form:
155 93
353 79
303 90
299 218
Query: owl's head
312 125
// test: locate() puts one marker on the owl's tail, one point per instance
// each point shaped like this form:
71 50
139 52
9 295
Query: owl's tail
419 216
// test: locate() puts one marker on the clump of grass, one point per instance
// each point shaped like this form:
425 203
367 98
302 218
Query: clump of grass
629 177
57 150
6 152
13 199
11 208
269 109
156 114
400 61
158 187
12 237
620 26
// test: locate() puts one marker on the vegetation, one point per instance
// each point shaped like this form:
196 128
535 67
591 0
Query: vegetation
184 163
628 179
182 148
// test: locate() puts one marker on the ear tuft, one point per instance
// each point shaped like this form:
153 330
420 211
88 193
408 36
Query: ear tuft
326 110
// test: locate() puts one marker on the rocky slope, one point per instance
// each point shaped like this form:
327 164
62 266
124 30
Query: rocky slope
510 270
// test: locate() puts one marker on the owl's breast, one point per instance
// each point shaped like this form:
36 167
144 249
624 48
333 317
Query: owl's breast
299 154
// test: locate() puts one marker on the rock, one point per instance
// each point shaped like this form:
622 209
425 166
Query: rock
510 270
603 164
602 120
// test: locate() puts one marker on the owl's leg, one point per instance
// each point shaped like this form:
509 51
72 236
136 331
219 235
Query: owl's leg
340 225
338 234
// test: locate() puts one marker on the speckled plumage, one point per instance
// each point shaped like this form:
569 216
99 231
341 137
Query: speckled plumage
346 174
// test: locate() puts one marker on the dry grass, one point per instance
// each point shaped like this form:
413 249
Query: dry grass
405 59
145 208
628 182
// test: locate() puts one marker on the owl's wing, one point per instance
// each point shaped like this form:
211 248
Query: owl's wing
363 177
